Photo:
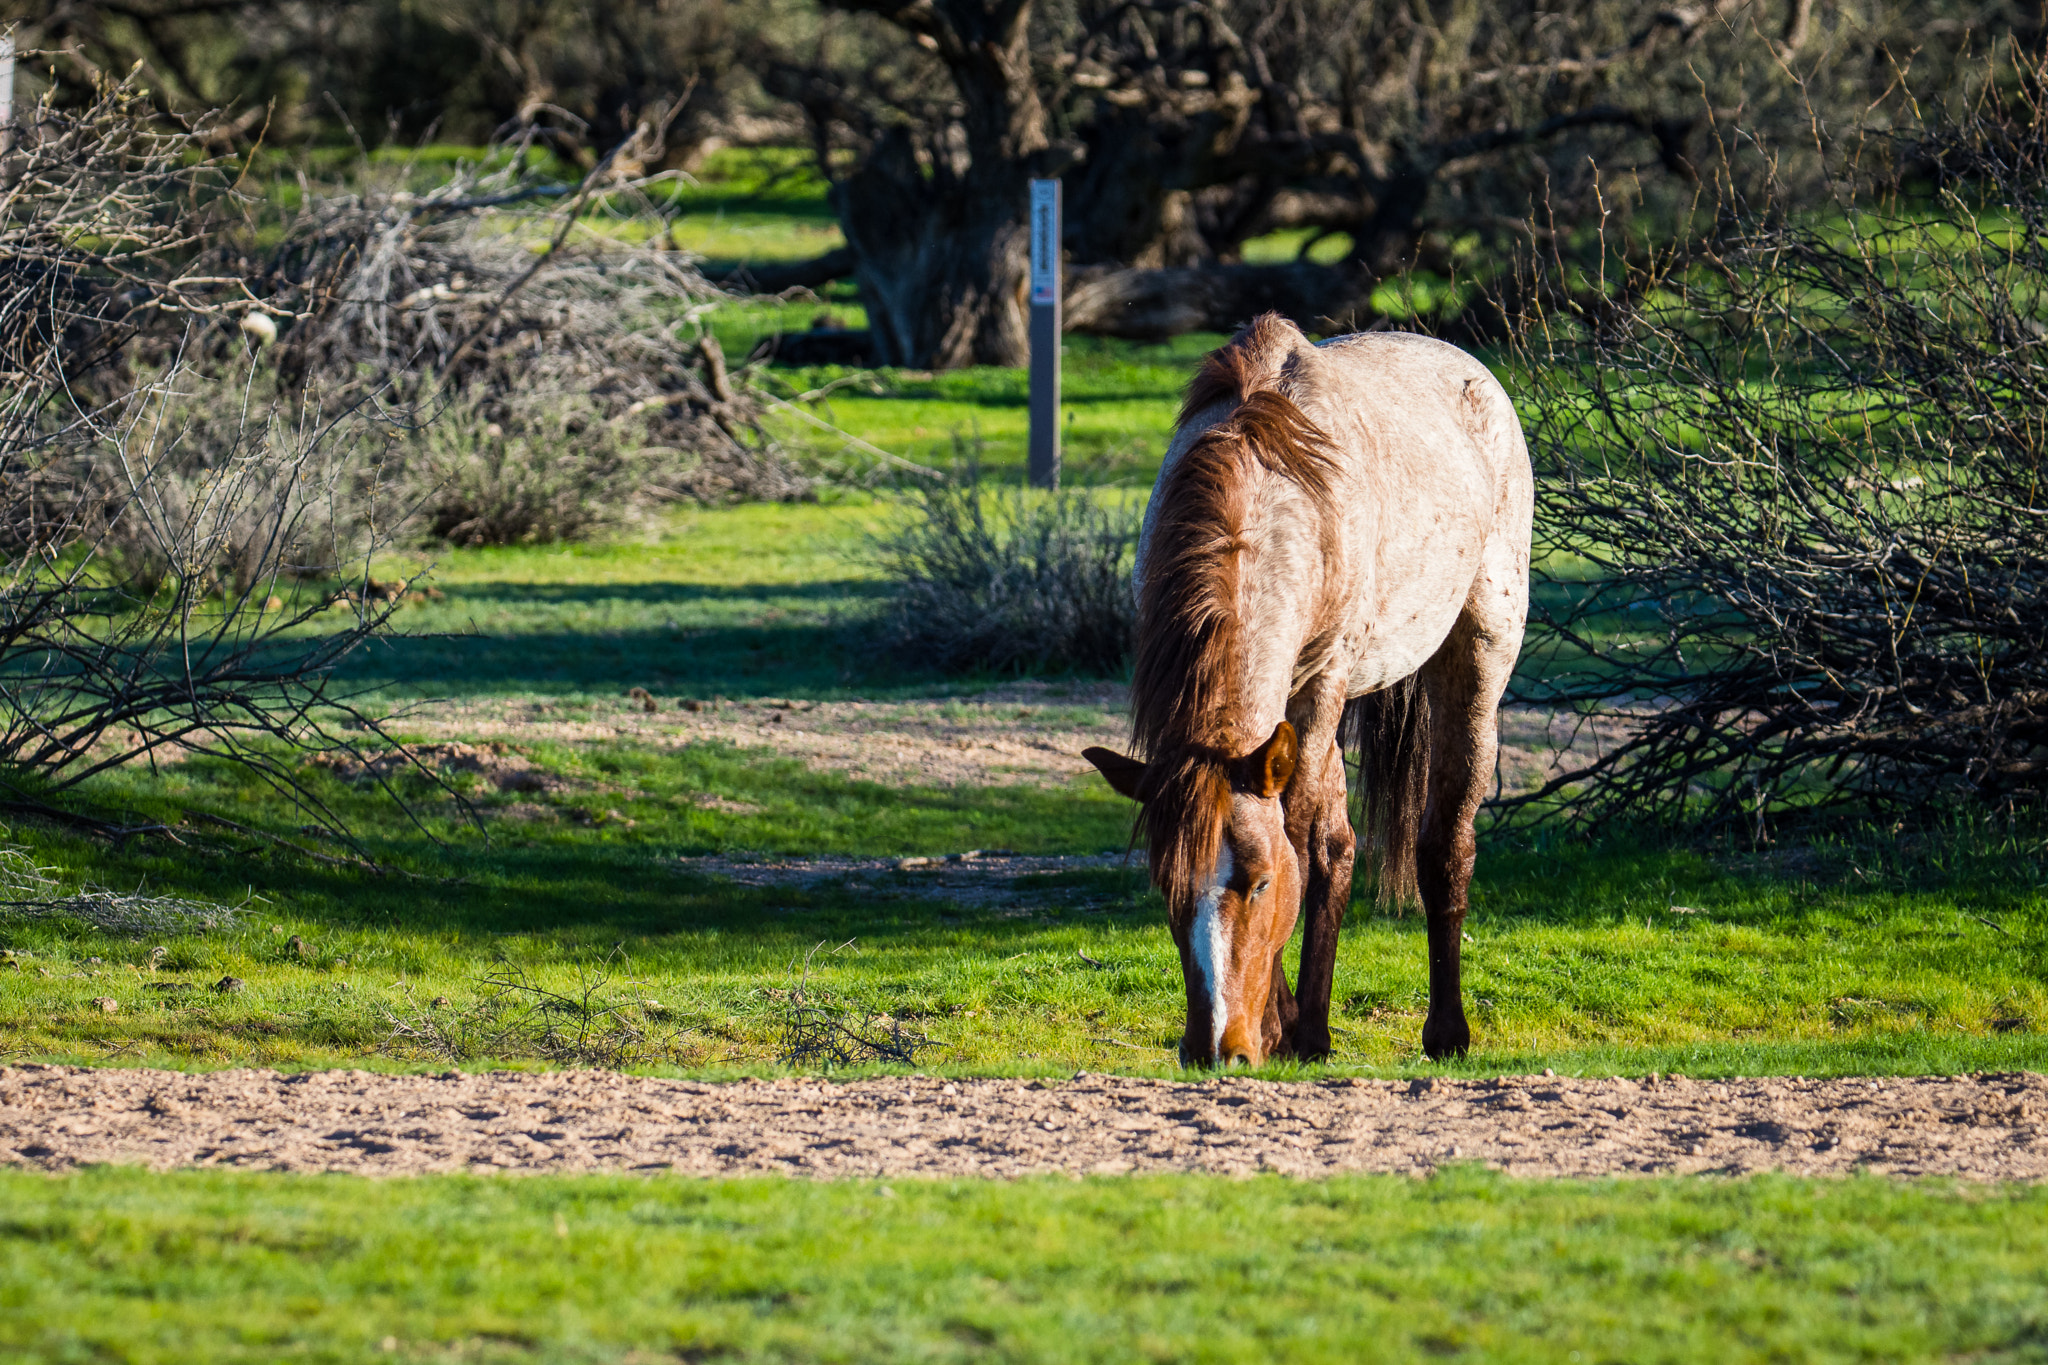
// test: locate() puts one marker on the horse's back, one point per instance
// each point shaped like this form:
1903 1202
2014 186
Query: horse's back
1437 523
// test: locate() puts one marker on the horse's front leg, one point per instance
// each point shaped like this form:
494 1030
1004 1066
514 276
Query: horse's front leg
1329 849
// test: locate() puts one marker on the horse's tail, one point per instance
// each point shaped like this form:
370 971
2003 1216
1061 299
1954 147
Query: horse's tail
1391 730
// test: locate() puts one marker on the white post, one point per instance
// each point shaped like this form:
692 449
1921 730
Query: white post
1044 463
6 93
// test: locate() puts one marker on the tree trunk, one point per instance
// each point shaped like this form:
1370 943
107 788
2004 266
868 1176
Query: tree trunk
940 244
940 260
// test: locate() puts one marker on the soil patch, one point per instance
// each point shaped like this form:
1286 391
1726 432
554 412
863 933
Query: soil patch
497 763
977 877
1025 734
1986 1127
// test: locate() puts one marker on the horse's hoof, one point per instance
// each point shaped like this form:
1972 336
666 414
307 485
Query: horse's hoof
1450 1039
1309 1047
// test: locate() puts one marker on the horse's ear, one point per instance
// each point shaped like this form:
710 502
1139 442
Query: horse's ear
1124 774
1269 766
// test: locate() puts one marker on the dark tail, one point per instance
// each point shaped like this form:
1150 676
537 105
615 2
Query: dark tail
1390 728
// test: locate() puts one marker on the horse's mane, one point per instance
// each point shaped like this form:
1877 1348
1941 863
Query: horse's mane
1192 633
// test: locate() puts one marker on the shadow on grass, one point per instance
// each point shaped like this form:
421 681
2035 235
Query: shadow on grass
794 660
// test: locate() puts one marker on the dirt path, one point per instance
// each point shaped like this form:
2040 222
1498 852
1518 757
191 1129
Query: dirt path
1021 734
1980 1127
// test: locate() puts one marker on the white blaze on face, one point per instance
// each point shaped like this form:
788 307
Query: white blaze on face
1209 940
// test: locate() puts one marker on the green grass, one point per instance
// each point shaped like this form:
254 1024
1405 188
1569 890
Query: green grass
759 599
238 1267
1864 960
1118 403
1863 951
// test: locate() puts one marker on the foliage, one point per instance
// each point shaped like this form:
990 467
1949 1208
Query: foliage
989 577
1792 501
1385 138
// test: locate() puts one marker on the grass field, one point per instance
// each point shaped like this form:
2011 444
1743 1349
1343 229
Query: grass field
1864 952
128 1266
1858 949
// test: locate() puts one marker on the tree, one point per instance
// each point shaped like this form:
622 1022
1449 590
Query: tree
934 213
1415 136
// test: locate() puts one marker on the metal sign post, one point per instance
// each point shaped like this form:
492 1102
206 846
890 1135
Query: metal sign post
1045 334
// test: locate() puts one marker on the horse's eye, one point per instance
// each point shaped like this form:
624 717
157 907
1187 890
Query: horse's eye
1260 889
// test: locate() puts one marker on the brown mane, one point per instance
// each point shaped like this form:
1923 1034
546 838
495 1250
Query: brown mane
1191 635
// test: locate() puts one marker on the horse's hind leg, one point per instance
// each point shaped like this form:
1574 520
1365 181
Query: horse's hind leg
1465 680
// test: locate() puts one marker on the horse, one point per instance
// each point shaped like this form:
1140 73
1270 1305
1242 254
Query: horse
1336 553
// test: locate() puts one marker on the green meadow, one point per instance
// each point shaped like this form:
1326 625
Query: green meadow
1846 949
1860 949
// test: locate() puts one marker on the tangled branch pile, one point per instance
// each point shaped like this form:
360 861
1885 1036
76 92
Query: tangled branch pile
559 352
816 1031
210 422
598 1022
28 891
1795 506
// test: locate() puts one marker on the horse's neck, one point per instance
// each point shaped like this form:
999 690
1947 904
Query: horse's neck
1281 586
1245 694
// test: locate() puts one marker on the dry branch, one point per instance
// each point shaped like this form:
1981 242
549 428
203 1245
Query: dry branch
1793 504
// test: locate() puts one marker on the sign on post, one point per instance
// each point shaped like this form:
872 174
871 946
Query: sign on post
1044 461
6 92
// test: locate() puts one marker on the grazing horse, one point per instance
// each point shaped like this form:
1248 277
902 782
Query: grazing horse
1337 551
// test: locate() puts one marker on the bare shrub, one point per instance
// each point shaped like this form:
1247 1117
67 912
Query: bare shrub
563 473
1791 520
818 1031
555 360
602 1021
159 517
989 577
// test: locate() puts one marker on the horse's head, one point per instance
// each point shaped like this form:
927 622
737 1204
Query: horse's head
1221 856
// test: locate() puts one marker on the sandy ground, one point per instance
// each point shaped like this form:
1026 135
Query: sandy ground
1023 734
1026 734
1980 1127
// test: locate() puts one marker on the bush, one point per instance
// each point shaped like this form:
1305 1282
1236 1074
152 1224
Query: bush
997 579
160 508
1791 498
554 470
